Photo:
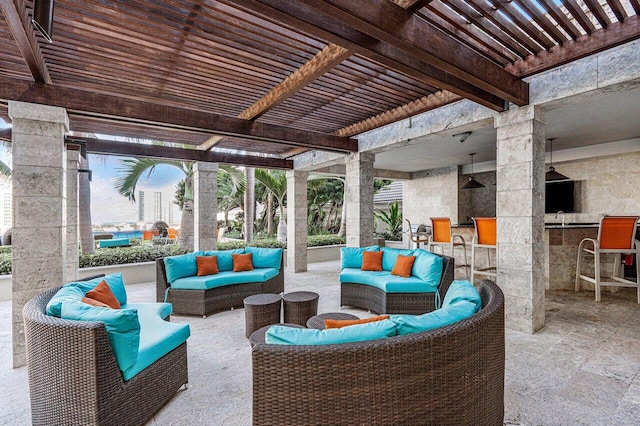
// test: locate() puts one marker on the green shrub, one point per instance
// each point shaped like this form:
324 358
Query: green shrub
5 249
324 240
122 255
5 263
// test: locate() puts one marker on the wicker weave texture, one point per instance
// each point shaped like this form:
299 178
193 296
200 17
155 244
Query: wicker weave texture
299 306
218 299
261 310
449 376
378 301
74 378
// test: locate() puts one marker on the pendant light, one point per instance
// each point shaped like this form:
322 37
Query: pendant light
472 183
551 174
43 18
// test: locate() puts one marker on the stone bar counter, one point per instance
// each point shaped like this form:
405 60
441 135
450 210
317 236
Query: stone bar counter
561 254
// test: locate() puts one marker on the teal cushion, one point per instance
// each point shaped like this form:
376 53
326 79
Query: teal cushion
162 310
115 242
181 266
114 281
225 258
462 290
122 325
225 278
427 267
390 255
282 335
386 282
439 318
65 294
351 257
265 257
157 338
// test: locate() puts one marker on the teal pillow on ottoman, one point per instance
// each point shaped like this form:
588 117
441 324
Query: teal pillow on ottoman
282 335
351 257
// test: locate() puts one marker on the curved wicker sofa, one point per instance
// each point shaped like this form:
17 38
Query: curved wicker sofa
453 375
376 300
74 378
217 299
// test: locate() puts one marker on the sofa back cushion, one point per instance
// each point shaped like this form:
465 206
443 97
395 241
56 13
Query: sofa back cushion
462 290
122 326
408 324
77 290
351 257
282 335
390 256
265 257
427 267
181 266
225 258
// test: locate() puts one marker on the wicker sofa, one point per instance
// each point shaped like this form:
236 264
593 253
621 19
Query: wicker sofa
74 377
217 299
453 375
376 300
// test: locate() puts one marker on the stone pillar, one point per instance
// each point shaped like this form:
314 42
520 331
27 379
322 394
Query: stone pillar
520 215
359 187
297 220
73 243
205 206
39 207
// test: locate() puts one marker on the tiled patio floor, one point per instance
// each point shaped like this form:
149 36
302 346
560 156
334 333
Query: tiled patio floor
581 369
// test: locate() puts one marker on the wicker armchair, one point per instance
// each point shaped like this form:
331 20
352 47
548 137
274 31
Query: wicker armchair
74 378
453 375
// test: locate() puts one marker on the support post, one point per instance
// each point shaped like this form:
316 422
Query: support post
297 220
205 206
73 243
359 189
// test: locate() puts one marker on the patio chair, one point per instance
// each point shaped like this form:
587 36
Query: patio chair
421 235
441 236
147 236
616 235
485 237
172 236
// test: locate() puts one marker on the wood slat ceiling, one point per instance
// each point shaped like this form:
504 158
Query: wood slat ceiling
11 62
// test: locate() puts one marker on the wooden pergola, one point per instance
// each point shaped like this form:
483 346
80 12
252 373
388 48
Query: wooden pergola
256 82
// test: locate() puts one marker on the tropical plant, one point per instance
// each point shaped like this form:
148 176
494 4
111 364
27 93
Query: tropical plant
276 182
392 218
249 202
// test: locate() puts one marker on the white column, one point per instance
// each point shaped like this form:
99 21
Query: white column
297 220
205 206
73 243
359 187
520 215
39 207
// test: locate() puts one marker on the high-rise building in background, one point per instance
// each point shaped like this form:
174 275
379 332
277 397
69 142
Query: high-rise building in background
6 217
140 206
155 206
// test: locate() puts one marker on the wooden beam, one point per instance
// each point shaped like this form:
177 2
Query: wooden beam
385 41
5 135
412 5
423 104
111 147
85 103
317 66
615 34
15 13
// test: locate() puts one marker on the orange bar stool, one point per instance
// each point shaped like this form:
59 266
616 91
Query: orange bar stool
485 237
441 236
616 234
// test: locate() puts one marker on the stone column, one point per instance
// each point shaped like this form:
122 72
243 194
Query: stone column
39 207
520 215
297 220
73 243
359 187
205 206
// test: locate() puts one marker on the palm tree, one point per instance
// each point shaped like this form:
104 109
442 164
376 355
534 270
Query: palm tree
249 203
276 182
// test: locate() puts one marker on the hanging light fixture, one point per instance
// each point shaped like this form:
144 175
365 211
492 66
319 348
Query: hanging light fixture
472 183
551 174
43 18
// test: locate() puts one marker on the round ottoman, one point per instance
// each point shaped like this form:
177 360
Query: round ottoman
299 306
261 310
317 321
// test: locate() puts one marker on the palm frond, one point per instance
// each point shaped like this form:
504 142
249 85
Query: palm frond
274 180
5 170
132 169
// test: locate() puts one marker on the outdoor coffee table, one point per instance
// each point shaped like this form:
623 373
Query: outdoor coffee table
261 310
299 306
317 321
258 335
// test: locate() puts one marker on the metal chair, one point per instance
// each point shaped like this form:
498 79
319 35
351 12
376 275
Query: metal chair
616 235
421 236
485 237
441 236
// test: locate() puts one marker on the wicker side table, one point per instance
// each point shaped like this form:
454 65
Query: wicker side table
317 321
299 306
261 310
258 335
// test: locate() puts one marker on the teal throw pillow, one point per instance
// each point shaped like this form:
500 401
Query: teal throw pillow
428 267
351 257
225 258
67 293
408 324
182 266
282 335
265 257
391 255
114 281
462 290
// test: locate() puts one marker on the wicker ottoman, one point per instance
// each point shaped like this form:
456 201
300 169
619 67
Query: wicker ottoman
258 335
261 310
299 306
317 321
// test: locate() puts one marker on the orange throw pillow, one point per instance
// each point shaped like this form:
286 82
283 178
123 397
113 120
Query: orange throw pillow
403 266
102 293
94 302
329 323
372 260
207 265
242 262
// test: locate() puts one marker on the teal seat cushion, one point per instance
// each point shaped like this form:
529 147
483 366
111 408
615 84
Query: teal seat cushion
122 326
115 242
386 282
225 258
161 310
390 255
225 278
408 324
265 257
351 257
77 290
282 335
462 290
157 338
427 267
183 265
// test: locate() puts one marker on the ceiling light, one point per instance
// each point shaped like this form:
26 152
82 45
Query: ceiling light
551 174
472 183
43 18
